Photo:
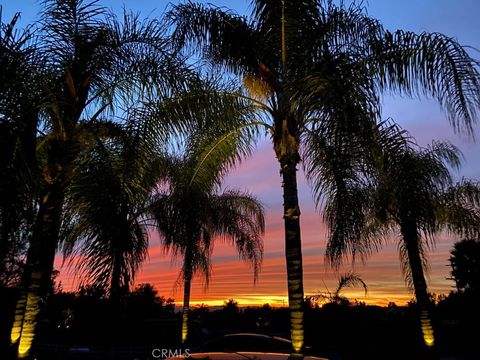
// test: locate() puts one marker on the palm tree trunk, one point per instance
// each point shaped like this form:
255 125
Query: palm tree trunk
187 276
40 259
186 307
411 240
26 145
286 150
18 319
115 284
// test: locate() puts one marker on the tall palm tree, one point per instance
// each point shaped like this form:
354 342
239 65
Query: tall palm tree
314 69
414 194
91 64
191 212
19 118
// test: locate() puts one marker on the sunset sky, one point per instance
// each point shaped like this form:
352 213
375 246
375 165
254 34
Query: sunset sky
260 175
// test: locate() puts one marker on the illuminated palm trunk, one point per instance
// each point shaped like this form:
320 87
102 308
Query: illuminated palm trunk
286 150
18 319
187 277
28 143
186 307
419 285
30 319
40 259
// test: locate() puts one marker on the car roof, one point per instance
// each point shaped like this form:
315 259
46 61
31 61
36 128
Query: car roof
241 356
247 334
257 335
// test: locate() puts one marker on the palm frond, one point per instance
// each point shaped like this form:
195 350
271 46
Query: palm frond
220 153
352 228
458 209
342 167
107 181
350 279
222 36
19 109
106 63
66 22
432 64
239 217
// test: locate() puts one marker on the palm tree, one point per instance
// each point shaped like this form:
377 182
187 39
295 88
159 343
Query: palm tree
315 72
414 193
116 178
19 117
191 212
120 176
89 65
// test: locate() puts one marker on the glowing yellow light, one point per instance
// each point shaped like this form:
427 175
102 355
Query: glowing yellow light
30 319
15 335
16 329
18 319
184 325
297 338
427 329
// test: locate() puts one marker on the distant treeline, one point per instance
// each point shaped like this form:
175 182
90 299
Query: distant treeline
88 318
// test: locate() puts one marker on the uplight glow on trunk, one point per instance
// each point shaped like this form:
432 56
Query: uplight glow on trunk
427 329
31 316
18 319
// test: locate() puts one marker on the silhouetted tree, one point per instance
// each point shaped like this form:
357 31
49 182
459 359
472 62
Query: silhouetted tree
96 292
413 194
465 263
231 306
116 177
148 293
144 302
192 211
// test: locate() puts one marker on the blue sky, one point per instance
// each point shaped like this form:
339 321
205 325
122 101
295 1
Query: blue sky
423 118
